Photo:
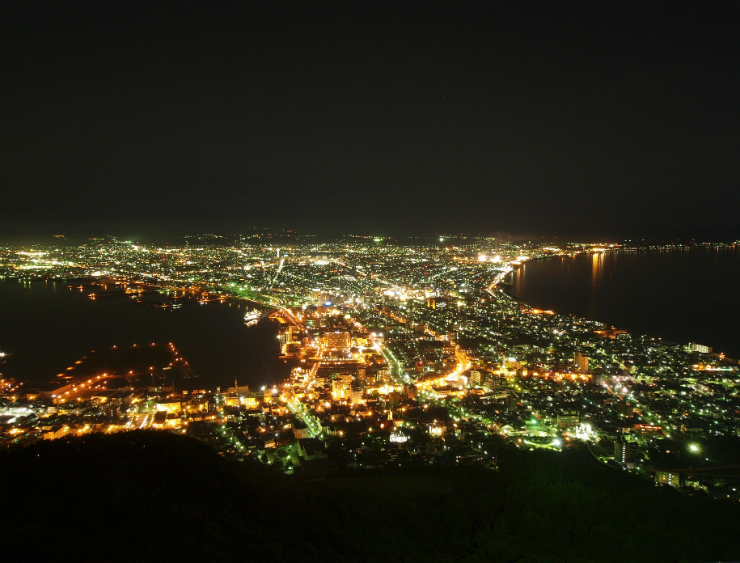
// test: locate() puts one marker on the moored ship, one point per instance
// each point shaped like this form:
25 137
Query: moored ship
253 317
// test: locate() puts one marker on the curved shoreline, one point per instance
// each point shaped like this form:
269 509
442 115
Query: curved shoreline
185 334
507 289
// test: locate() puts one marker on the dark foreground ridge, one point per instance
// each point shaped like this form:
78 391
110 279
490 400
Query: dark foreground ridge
153 496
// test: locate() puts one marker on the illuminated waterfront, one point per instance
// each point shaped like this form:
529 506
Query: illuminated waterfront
47 327
266 274
401 356
680 295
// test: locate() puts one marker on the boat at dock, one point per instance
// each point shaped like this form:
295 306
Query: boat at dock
253 317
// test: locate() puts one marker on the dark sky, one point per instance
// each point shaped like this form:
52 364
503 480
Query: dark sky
598 119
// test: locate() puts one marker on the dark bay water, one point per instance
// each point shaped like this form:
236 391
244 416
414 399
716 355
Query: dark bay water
690 295
46 327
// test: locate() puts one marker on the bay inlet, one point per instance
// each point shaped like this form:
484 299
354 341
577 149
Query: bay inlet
47 326
681 295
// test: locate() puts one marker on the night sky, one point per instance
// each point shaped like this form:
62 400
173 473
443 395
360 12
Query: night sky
589 119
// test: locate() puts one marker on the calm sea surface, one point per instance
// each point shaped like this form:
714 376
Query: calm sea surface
45 327
690 295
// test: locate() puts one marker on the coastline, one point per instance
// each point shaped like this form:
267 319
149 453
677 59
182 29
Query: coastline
212 340
509 290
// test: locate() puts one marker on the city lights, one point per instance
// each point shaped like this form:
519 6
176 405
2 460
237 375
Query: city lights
380 335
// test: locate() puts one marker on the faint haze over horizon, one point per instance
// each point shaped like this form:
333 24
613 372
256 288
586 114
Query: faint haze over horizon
594 120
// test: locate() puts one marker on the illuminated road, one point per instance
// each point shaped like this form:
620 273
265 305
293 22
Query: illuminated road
393 363
312 423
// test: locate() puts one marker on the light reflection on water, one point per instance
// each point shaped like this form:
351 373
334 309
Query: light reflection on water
597 273
46 326
681 295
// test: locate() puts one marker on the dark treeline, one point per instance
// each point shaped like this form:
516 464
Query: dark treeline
153 496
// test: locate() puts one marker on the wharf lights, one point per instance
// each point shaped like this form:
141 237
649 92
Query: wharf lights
694 448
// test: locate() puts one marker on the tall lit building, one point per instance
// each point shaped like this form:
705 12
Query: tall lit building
581 361
621 451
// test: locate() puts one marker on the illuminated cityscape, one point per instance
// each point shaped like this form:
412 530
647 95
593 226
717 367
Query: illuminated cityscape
403 355
369 281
